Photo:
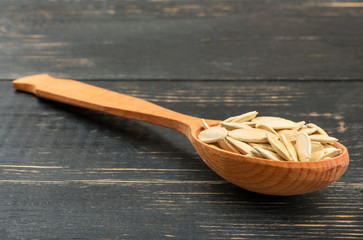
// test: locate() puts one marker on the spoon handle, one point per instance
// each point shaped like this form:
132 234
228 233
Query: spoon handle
84 95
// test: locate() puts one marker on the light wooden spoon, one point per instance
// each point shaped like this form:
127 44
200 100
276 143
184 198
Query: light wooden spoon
254 174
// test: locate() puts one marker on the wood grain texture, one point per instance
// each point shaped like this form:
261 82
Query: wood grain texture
88 96
71 173
184 39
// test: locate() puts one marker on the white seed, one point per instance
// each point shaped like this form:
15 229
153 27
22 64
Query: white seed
289 134
245 117
318 129
231 125
292 140
299 125
290 148
244 148
331 152
205 125
308 130
279 147
317 155
316 146
266 127
212 134
249 135
251 124
224 144
303 147
269 155
271 137
276 122
229 119
256 153
322 138
266 146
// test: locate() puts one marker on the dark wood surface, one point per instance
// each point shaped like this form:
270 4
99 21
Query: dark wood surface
184 39
71 173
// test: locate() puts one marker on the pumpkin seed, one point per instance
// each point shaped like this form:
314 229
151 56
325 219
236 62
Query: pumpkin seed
289 134
316 146
317 155
299 125
308 130
266 146
271 137
224 144
212 134
205 125
279 147
303 147
318 129
266 127
331 152
244 148
244 117
249 135
290 148
269 154
322 138
276 122
231 125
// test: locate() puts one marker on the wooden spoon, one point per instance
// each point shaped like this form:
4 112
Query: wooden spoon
254 174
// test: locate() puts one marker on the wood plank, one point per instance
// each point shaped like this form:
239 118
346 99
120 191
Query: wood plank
183 39
72 173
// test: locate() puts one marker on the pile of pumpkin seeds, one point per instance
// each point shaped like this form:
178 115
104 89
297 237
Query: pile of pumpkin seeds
271 138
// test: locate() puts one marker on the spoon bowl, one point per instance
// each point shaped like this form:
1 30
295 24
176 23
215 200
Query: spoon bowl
255 174
283 178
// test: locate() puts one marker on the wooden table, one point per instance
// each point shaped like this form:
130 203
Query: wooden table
71 173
